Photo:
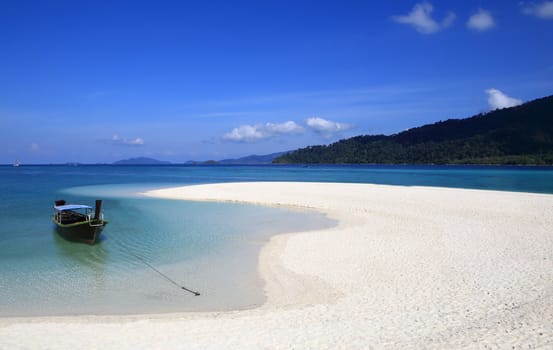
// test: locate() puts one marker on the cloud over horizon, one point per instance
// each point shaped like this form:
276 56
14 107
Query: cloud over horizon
116 140
257 132
542 10
249 133
497 99
421 19
324 126
481 21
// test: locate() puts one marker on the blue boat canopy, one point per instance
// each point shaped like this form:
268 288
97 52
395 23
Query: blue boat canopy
71 207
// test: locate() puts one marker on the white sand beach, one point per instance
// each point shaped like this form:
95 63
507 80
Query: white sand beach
405 268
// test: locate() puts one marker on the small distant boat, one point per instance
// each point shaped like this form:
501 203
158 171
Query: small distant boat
76 223
16 163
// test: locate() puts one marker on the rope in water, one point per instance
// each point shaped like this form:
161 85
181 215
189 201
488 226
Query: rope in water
169 279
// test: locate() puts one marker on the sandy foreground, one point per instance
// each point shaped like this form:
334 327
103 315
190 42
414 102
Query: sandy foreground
405 267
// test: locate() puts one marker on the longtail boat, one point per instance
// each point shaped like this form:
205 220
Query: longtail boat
75 221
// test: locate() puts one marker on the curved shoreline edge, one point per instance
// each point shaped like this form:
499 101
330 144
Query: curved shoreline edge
406 267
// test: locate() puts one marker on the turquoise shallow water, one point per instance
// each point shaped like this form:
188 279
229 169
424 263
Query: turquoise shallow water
209 247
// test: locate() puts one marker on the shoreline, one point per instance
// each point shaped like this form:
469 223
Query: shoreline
404 267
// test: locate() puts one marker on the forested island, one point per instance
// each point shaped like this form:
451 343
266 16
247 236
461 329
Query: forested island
521 135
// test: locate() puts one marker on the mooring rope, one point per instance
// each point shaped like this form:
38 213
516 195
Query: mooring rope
156 270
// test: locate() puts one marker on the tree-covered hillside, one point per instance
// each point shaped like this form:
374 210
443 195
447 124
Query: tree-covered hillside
517 135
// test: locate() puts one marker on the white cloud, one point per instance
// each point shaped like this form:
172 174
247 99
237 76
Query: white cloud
284 128
481 21
35 147
250 133
448 20
136 141
245 133
543 10
116 140
420 18
498 100
324 126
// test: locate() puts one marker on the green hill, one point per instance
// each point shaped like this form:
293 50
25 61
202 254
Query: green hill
517 135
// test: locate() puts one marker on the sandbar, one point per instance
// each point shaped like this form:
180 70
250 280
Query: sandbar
404 268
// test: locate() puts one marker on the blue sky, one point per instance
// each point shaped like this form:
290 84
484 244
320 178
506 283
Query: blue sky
95 81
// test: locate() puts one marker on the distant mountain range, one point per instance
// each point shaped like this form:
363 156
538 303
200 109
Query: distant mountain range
141 161
253 159
249 160
521 135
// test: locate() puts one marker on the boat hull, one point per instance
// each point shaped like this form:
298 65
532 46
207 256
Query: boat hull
80 231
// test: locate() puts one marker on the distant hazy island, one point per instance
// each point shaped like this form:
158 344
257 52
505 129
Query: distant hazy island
248 160
521 135
141 161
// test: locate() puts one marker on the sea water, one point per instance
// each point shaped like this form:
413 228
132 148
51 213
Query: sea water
151 247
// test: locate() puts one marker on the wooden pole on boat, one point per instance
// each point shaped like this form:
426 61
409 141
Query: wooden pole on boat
98 209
